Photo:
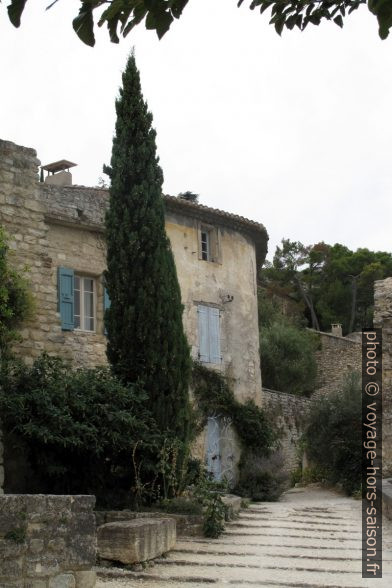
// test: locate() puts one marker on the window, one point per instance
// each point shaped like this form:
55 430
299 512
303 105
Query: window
84 303
77 300
205 245
209 249
209 334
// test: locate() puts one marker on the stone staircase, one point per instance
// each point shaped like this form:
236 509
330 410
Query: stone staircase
311 539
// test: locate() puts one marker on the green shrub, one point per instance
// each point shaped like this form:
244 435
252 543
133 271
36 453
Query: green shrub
79 428
214 396
15 300
261 478
334 432
287 355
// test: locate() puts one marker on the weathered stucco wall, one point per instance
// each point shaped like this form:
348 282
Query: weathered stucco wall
383 319
336 358
289 413
47 541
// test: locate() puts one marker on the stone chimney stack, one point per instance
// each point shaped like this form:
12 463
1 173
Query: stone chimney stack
337 329
58 173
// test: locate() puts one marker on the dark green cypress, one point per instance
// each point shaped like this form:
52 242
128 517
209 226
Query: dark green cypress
146 340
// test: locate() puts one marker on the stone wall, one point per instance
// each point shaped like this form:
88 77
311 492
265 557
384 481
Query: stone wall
336 358
288 412
1 463
383 319
47 541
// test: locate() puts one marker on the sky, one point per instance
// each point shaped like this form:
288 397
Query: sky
293 131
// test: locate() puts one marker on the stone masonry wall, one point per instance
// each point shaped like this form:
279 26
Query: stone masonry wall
336 358
383 319
288 412
47 541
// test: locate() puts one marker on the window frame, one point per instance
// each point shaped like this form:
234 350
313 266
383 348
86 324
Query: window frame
82 291
213 243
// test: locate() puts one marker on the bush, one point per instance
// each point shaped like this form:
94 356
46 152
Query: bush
261 478
333 435
214 396
15 301
288 358
79 429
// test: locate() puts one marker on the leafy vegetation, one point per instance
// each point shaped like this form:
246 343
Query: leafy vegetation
261 478
327 283
15 301
121 16
333 436
146 340
78 428
215 397
287 349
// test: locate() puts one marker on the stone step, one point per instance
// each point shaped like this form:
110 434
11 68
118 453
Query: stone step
177 575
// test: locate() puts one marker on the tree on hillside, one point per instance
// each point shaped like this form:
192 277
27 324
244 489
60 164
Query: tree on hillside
146 340
335 283
121 16
287 349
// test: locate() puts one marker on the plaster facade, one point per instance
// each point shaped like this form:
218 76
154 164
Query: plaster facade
51 226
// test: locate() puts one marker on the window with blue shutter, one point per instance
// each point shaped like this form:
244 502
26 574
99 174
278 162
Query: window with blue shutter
66 297
106 305
209 334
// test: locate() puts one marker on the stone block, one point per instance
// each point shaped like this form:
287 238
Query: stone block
85 579
62 581
134 541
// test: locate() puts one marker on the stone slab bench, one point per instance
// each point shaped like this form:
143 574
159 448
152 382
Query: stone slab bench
136 540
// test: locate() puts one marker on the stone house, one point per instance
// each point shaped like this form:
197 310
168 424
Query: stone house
56 231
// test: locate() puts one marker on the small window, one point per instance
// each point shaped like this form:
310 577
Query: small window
209 249
205 245
84 303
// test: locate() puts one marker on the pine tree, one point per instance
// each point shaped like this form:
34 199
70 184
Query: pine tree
145 335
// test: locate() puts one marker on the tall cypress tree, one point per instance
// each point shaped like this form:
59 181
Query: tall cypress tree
145 335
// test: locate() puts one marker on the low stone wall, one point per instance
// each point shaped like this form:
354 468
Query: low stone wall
288 412
47 541
187 525
383 319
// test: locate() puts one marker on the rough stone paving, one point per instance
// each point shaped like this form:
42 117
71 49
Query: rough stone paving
310 539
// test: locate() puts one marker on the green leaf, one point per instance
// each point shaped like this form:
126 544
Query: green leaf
15 10
339 21
83 24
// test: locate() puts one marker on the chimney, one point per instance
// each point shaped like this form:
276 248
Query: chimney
337 329
58 173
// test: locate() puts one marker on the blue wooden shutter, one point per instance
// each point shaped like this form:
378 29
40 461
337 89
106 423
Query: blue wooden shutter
214 334
204 354
106 305
66 297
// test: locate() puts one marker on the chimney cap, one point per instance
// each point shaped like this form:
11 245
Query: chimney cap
57 166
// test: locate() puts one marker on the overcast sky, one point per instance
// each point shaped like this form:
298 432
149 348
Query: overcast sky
294 132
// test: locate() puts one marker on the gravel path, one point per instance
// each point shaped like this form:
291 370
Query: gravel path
310 539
